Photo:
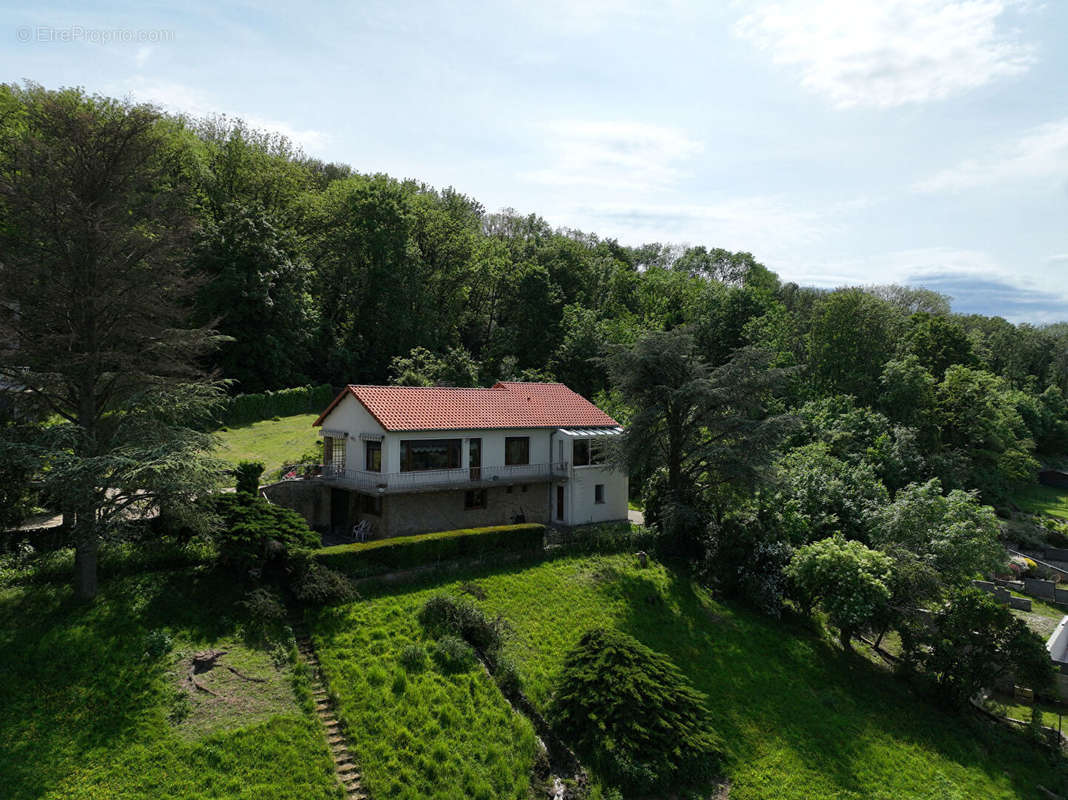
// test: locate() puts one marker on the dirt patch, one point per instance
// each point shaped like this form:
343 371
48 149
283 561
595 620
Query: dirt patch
229 686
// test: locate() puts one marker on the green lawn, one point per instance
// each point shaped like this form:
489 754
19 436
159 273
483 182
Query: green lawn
1044 500
801 718
87 711
275 443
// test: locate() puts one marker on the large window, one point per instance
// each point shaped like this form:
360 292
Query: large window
423 454
373 456
588 451
517 450
581 452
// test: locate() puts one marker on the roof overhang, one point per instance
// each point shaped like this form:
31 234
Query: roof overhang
588 433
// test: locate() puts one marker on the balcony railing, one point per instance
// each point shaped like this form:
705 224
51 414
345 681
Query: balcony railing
425 480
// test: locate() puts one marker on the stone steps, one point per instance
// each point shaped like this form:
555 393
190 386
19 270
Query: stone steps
344 764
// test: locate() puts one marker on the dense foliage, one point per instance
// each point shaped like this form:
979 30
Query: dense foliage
974 643
254 533
848 581
633 713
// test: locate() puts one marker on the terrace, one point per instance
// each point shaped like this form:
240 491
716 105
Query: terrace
438 479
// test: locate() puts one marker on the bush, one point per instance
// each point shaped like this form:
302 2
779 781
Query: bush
255 532
452 654
248 476
633 715
506 675
412 551
247 408
413 657
461 617
319 586
157 644
264 607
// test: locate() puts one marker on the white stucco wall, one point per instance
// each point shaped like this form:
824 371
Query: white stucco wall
351 415
580 492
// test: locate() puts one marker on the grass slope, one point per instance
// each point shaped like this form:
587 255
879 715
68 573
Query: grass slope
86 713
419 734
801 719
275 443
1044 500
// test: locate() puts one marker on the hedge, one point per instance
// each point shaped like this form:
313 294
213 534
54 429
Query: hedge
246 408
405 552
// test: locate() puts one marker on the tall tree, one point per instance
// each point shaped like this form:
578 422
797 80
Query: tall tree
93 298
853 336
707 427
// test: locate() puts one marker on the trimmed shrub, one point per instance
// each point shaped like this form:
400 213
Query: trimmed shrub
248 474
247 408
255 532
407 552
633 715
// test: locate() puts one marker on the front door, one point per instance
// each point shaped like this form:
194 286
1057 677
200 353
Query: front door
474 451
560 503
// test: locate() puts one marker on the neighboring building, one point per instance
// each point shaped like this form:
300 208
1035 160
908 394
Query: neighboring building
415 460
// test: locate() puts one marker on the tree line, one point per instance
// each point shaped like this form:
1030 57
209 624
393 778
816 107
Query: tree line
152 264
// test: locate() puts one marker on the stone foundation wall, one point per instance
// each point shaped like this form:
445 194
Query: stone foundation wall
426 512
310 499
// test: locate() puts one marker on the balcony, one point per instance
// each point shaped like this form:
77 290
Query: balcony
439 479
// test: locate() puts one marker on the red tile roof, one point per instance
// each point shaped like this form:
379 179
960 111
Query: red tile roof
505 405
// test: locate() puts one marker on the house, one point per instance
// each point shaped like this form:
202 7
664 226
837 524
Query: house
420 459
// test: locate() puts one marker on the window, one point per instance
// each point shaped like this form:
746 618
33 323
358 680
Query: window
337 453
581 450
588 451
517 450
373 456
371 504
423 454
598 493
476 498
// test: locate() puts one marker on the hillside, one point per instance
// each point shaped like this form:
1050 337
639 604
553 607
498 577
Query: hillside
801 719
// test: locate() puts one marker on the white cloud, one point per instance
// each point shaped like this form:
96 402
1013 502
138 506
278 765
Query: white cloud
899 266
143 54
772 227
609 155
886 53
975 279
1040 153
181 99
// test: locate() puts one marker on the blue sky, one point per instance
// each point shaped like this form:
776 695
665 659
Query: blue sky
839 141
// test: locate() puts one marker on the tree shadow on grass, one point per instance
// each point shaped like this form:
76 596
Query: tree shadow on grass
75 678
775 685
